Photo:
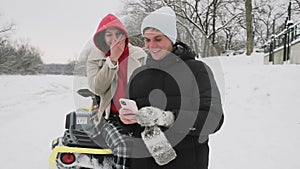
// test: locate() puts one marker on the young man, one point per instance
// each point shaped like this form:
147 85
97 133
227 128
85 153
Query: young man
173 84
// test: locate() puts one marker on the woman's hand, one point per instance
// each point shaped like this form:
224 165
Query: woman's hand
127 116
117 48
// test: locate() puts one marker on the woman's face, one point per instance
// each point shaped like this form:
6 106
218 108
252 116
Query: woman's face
112 34
158 44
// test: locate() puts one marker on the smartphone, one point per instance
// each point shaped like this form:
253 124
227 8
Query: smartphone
128 104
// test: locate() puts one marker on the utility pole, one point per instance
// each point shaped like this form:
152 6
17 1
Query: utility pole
290 10
289 31
249 27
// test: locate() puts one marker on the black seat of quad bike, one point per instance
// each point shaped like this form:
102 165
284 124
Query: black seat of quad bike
76 135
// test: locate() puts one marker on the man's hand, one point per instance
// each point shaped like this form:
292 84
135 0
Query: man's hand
151 116
127 116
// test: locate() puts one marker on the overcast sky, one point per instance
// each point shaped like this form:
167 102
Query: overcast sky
59 28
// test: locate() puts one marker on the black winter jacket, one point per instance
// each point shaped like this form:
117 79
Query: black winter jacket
186 87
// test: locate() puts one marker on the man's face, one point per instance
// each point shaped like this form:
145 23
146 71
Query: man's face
158 44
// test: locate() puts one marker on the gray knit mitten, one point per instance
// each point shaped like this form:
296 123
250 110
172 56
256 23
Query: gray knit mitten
151 116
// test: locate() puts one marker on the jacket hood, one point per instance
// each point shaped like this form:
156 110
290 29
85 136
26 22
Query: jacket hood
181 52
109 21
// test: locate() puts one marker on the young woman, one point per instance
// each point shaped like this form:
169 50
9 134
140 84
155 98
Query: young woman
108 71
173 84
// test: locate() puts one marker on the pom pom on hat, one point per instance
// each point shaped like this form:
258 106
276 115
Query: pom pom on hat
163 19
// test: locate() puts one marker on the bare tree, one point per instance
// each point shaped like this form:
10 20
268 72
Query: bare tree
223 23
7 27
196 19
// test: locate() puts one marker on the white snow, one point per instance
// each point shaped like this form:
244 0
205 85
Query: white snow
261 103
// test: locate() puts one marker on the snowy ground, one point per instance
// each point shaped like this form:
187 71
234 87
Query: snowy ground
262 114
261 103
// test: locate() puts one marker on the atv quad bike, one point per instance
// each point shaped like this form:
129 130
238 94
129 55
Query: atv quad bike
75 149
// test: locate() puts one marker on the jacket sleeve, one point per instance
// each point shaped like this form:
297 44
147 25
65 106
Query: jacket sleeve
210 116
100 75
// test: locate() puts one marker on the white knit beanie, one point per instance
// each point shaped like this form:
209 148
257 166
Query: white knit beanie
163 19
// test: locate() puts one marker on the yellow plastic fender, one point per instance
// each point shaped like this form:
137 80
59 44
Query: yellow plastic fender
66 149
